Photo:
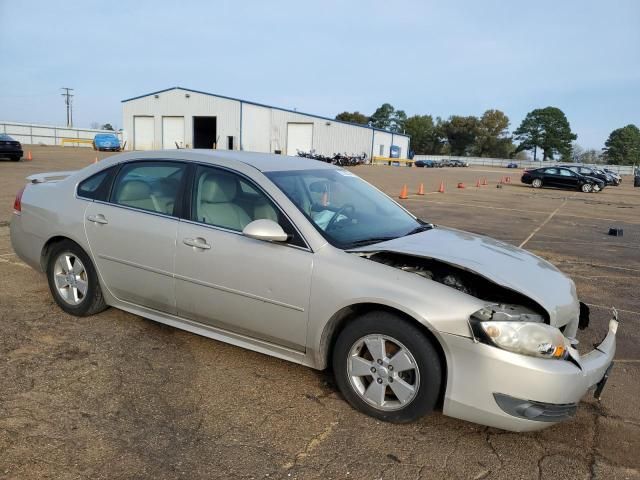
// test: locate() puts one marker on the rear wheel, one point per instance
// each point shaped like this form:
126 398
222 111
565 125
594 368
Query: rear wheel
537 183
387 368
586 187
73 280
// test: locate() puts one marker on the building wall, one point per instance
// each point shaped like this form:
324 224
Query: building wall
264 129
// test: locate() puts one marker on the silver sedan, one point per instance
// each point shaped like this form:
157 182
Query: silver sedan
307 262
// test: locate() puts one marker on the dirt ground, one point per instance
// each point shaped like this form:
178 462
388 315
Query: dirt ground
117 396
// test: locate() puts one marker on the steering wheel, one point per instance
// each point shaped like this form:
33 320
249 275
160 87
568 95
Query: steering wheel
344 208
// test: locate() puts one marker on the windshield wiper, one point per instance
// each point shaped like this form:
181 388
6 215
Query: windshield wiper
369 241
421 228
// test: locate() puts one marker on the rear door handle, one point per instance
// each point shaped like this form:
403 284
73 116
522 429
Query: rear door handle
97 219
197 243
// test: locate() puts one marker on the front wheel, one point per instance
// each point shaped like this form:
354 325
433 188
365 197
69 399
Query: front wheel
387 368
537 183
73 280
586 187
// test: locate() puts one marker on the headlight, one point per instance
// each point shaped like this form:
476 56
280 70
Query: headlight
527 338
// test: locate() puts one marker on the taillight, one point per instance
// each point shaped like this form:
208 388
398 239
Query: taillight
17 203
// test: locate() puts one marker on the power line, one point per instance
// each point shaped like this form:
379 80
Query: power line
67 100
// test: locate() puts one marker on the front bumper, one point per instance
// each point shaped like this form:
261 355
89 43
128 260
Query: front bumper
478 372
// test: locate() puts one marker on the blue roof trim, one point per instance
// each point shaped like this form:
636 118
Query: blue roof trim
265 106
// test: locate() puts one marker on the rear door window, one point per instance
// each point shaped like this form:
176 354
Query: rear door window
151 186
97 186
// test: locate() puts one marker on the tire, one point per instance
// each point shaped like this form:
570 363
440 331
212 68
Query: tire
418 384
586 187
537 183
72 298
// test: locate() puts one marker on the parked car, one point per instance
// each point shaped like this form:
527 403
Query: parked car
512 165
593 172
561 177
307 262
426 163
636 178
10 148
455 163
614 174
106 142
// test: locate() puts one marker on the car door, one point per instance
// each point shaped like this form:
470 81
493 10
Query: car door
567 178
229 281
132 235
551 177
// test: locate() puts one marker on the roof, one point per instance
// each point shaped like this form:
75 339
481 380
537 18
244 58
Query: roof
264 162
248 102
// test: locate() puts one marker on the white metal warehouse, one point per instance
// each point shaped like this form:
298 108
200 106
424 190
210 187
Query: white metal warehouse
191 119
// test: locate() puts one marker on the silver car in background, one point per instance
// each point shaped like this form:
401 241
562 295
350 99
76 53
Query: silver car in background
307 262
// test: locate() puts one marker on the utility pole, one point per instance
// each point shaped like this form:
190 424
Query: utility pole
67 100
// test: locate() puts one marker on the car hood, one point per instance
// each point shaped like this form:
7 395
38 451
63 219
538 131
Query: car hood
501 263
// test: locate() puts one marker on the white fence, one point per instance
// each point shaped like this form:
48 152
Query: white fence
503 162
32 134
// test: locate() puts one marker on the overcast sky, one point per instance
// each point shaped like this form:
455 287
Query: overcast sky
323 57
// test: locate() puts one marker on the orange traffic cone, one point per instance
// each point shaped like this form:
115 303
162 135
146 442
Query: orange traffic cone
484 181
501 180
96 160
508 179
460 185
421 189
441 189
478 183
404 194
29 157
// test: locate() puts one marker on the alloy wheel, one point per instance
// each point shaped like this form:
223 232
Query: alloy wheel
383 372
70 278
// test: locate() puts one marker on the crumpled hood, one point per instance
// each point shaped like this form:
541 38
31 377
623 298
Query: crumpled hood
504 264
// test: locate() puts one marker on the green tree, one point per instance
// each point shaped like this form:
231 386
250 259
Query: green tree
425 135
623 146
461 133
547 129
353 117
388 118
107 126
492 138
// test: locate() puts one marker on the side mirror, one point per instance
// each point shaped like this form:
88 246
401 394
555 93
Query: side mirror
266 230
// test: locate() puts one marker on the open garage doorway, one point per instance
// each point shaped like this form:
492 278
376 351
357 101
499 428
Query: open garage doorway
204 132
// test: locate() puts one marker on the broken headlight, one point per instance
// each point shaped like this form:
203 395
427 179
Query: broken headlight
527 335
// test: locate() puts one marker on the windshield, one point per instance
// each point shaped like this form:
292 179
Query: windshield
345 209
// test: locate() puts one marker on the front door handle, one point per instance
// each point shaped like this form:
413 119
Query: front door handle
97 219
197 243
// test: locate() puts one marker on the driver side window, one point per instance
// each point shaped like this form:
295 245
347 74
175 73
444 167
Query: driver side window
224 199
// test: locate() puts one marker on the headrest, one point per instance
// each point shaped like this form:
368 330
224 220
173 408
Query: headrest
218 188
134 190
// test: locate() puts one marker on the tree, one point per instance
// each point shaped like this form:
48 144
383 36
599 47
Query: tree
425 135
623 146
388 118
461 133
577 153
107 126
492 138
547 129
355 117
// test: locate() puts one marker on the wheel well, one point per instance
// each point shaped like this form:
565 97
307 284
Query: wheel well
46 249
340 319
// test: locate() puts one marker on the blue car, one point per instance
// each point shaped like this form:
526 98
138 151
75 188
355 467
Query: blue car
106 142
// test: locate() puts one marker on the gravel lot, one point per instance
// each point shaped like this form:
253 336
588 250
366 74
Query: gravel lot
117 396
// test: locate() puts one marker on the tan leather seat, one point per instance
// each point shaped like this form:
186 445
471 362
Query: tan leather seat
135 193
214 205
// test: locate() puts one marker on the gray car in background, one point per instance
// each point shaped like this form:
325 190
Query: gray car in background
307 262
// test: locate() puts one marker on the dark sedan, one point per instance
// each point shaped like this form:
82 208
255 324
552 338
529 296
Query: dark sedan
594 172
426 163
561 177
10 148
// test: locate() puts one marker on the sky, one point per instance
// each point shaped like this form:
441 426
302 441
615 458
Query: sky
425 57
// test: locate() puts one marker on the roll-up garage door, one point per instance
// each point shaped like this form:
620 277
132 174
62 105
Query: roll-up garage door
172 132
143 133
299 137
